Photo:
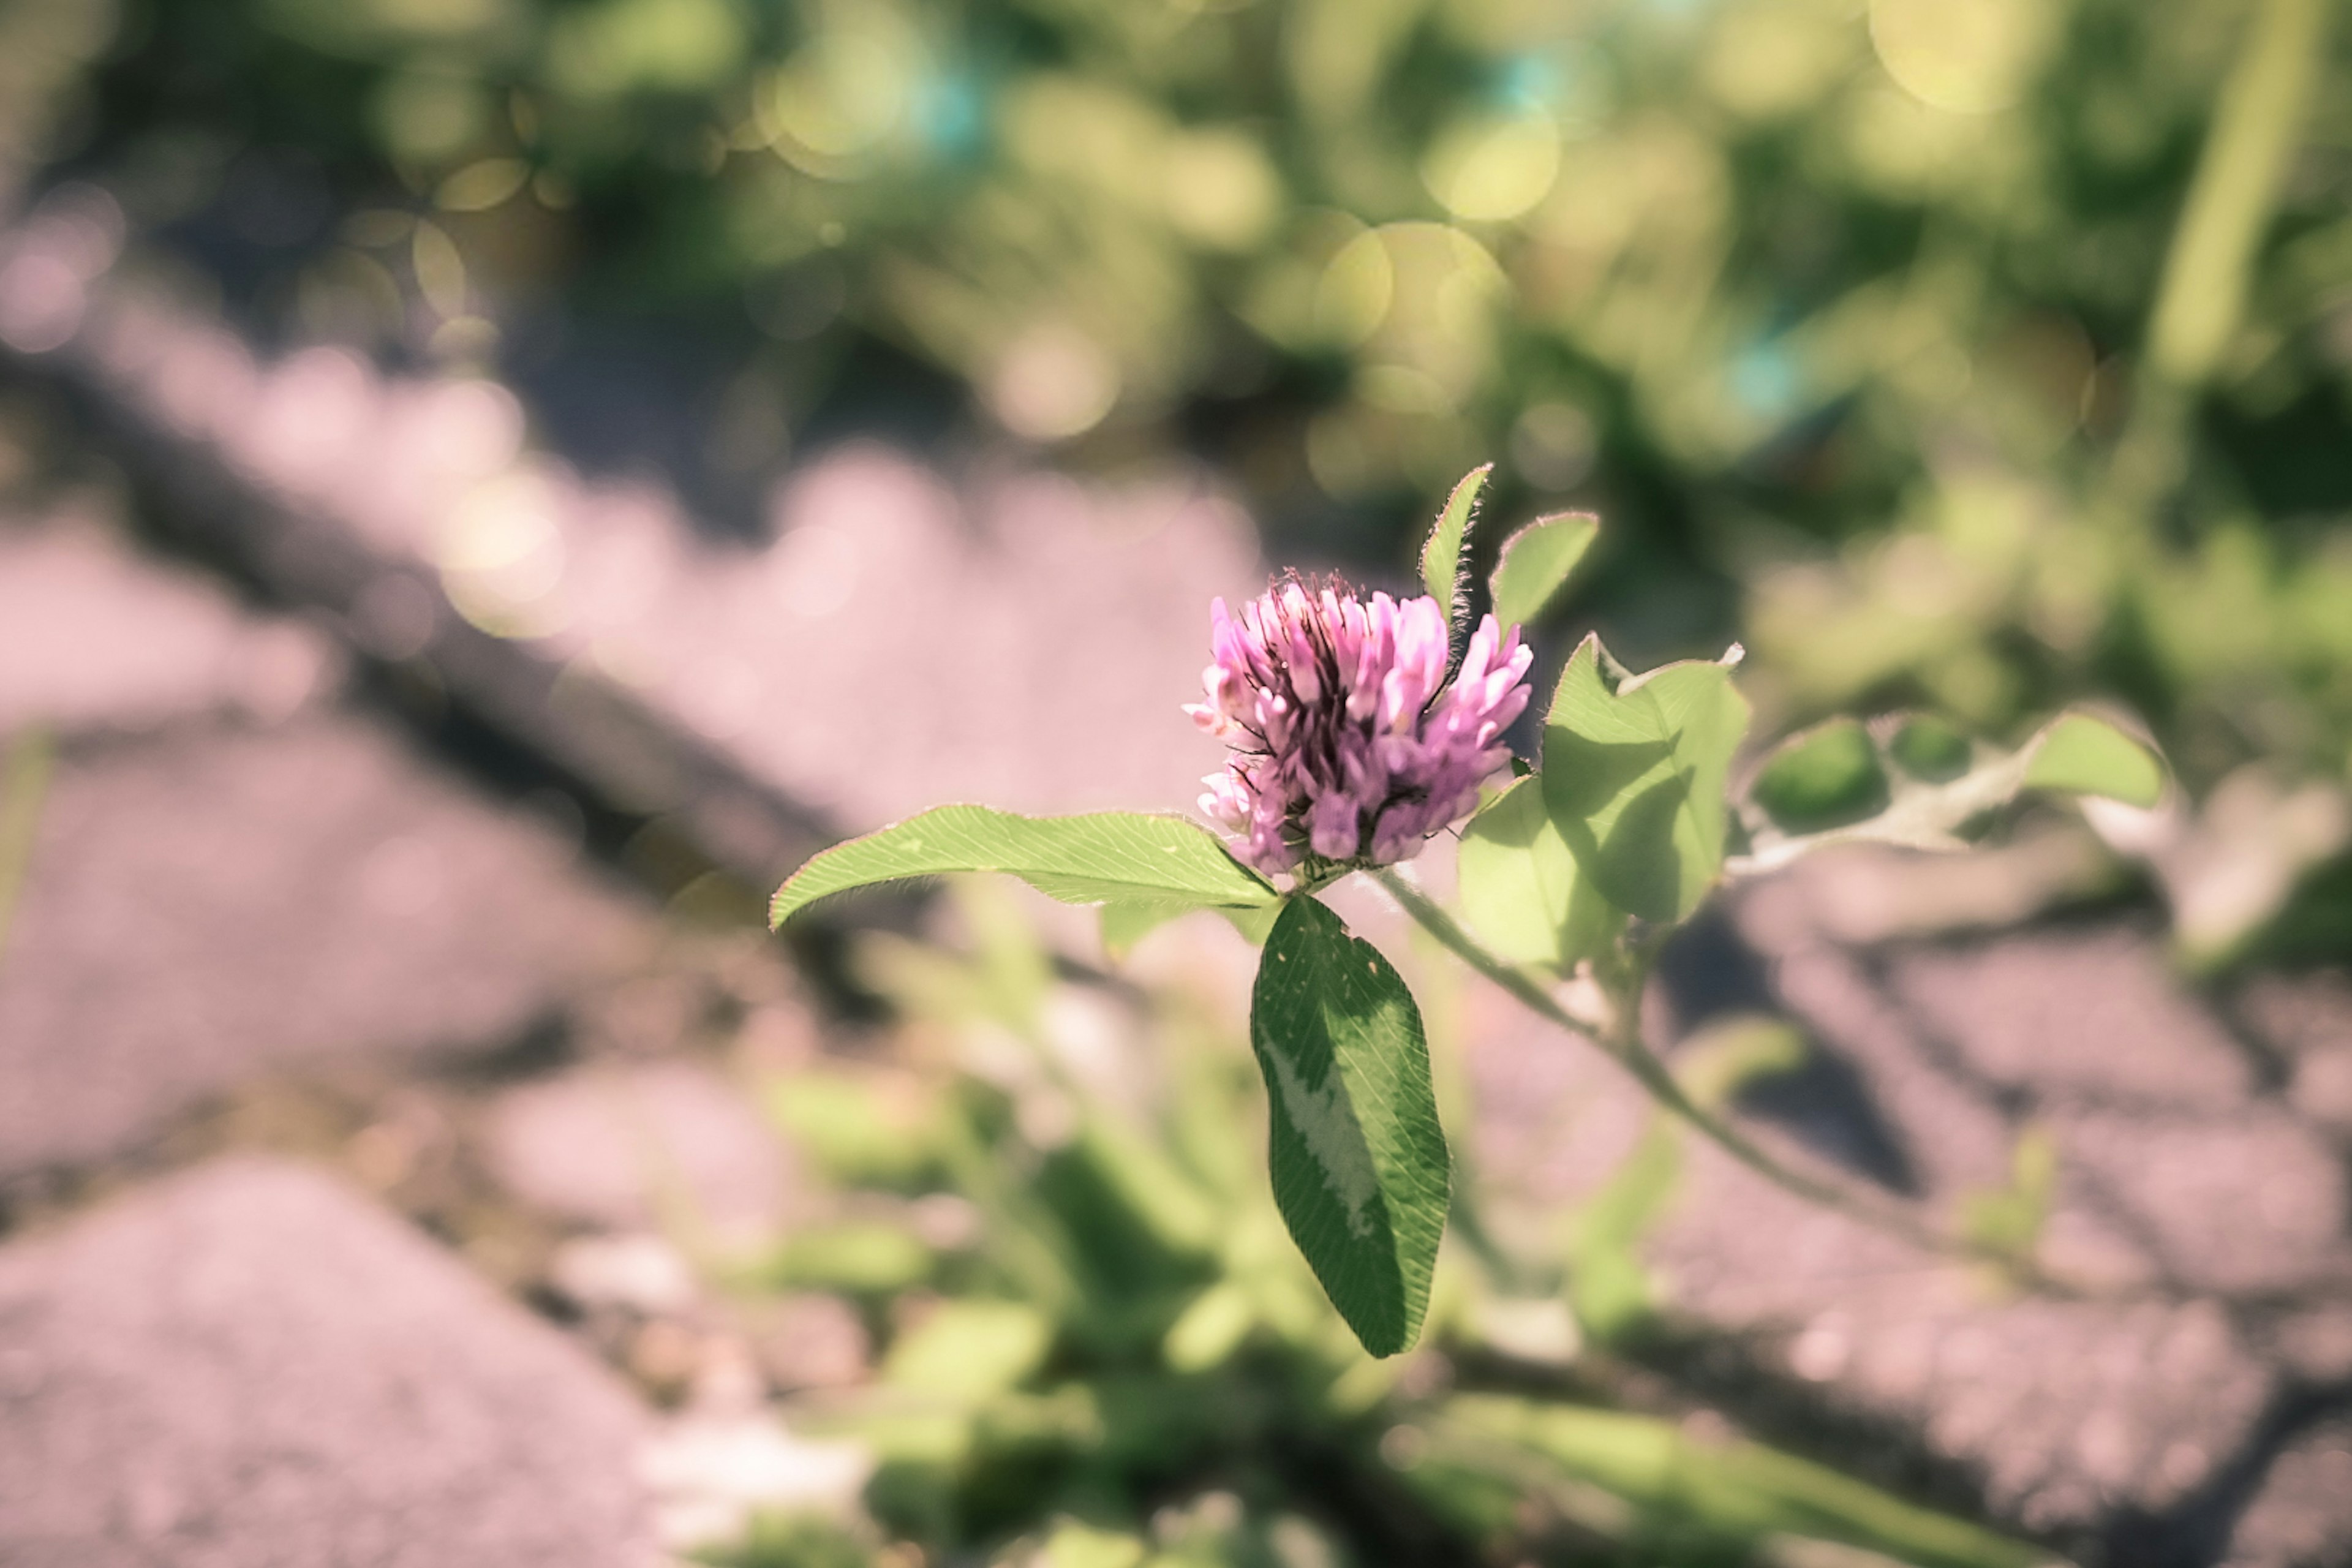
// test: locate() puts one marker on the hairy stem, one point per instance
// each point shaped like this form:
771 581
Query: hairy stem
1621 1038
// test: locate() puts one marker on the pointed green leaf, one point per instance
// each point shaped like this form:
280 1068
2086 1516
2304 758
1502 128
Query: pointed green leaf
1359 1162
1634 778
1445 554
1521 890
2081 754
1536 563
1106 857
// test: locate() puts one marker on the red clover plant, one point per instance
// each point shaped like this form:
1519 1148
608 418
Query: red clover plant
1359 728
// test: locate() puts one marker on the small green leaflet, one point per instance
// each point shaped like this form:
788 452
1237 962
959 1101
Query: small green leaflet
1829 776
1120 857
1359 1162
1930 781
1928 749
1445 555
1520 888
2080 754
1536 564
1634 778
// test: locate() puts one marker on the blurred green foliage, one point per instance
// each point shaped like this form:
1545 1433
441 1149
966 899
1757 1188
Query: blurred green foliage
1110 1352
1970 357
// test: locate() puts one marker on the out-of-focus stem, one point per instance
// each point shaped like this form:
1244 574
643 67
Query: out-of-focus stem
1621 1038
22 786
2202 297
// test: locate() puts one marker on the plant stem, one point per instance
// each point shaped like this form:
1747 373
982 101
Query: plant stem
1620 1038
22 785
2208 267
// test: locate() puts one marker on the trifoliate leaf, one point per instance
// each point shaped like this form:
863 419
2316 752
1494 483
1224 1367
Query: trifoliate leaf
1633 777
1520 888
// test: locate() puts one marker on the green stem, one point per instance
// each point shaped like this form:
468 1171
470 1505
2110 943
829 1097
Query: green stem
2207 268
21 788
1621 1038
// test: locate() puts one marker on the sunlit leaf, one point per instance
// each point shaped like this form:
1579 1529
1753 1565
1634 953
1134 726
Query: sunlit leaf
1109 857
2081 754
1359 1162
1634 778
1537 562
1520 888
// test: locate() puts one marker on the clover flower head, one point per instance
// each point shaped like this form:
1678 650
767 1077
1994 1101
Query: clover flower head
1344 745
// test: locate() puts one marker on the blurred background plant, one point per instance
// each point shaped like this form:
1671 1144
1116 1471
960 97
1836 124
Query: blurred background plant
1098 1345
1968 356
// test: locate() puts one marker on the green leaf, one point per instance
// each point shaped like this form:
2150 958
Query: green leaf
1253 923
2081 754
862 1257
1536 563
1730 1500
969 1350
1634 778
1359 1162
1108 858
1927 748
1521 890
1938 782
2009 1219
1445 555
1826 777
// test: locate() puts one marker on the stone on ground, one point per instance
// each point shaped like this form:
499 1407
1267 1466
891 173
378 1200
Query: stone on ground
94 638
248 1366
207 905
670 1144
